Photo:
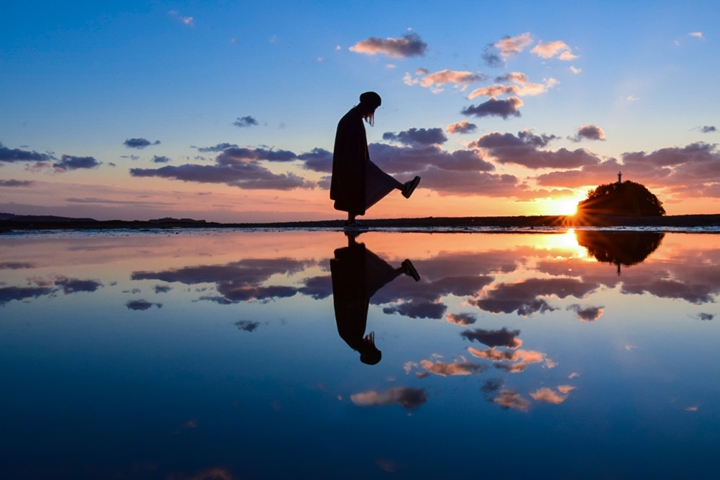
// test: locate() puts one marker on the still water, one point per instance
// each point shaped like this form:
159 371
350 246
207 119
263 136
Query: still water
242 355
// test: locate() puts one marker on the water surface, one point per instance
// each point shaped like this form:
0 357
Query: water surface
239 355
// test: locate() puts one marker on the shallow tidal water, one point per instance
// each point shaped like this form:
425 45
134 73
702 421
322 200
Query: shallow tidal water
249 355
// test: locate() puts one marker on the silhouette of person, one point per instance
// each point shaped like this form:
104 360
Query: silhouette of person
357 183
357 274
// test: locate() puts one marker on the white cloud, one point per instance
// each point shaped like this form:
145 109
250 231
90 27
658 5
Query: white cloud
696 34
575 69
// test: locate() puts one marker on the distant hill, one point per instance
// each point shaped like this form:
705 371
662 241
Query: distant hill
621 199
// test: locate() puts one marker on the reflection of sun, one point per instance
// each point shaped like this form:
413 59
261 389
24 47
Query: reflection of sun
566 241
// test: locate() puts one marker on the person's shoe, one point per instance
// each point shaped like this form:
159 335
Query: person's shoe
410 187
410 269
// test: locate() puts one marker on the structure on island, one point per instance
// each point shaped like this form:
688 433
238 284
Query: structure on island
621 199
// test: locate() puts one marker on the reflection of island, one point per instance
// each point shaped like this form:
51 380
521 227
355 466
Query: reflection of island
357 274
619 248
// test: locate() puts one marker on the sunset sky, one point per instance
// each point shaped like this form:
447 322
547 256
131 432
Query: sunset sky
226 111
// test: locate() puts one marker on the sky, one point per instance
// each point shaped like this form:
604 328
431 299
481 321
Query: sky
226 111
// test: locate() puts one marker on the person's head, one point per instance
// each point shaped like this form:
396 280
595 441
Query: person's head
369 101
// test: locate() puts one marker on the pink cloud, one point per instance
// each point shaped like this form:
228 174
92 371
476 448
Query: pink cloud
409 45
462 126
452 369
548 395
553 49
511 46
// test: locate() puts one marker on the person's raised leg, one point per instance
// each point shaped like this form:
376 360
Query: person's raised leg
409 187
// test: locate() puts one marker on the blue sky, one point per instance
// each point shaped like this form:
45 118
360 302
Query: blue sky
81 78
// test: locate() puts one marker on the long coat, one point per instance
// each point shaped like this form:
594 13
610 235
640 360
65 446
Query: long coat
350 157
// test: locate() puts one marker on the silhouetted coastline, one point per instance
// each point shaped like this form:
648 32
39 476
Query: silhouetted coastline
9 222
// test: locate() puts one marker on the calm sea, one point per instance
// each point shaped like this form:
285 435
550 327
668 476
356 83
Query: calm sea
264 355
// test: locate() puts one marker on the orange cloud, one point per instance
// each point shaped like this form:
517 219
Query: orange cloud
462 126
511 46
526 356
409 45
463 319
452 369
548 395
552 49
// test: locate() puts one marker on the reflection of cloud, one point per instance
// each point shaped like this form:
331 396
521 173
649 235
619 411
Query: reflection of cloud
511 399
8 294
387 465
573 375
74 285
317 287
247 325
587 314
162 288
705 316
211 474
525 356
565 389
409 45
523 296
491 386
548 395
15 265
16 183
141 305
452 369
494 338
237 281
417 309
463 319
407 397
511 367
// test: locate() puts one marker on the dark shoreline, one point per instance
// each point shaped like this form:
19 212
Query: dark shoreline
9 223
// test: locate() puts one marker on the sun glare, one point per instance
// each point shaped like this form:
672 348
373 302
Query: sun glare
566 207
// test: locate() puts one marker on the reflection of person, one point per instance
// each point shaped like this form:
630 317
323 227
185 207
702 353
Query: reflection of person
357 183
357 274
